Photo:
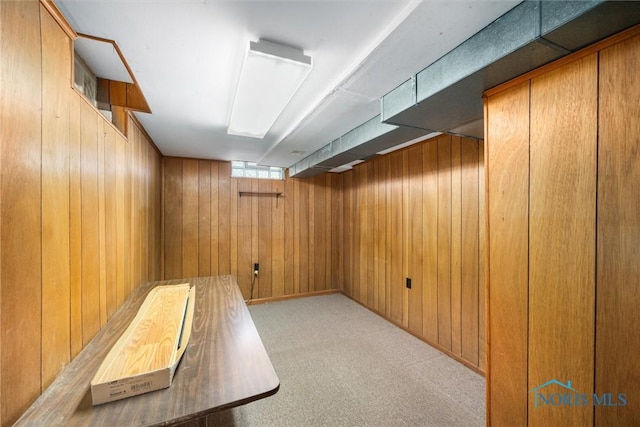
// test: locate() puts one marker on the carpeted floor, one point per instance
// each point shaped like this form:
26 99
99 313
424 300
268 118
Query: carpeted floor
342 365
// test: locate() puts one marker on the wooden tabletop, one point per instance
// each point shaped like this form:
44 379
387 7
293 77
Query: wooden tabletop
225 365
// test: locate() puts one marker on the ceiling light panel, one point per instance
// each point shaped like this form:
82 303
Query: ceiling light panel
271 74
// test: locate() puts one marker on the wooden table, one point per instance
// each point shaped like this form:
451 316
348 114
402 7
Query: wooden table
225 365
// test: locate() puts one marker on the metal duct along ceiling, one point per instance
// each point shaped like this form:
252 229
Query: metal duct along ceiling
361 143
447 95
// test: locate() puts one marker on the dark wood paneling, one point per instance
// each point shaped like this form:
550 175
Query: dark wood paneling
618 269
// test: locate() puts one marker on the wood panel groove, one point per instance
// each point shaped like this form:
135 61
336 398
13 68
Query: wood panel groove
569 303
291 238
62 248
562 233
398 210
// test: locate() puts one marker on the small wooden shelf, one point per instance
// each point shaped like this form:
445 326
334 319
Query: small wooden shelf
261 194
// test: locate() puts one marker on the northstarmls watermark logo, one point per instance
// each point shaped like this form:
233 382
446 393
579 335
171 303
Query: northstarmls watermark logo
557 393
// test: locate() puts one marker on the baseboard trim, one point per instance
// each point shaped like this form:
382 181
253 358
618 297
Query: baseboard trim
432 344
399 325
292 296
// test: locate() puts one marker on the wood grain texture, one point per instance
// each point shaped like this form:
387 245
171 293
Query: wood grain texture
254 228
150 341
406 214
263 255
90 223
75 224
581 295
245 260
347 241
277 207
430 241
190 218
403 239
224 350
102 250
562 234
224 217
57 218
215 218
370 236
618 270
337 233
255 234
507 151
397 278
456 245
289 233
416 256
205 239
56 53
172 217
444 242
20 244
365 234
469 257
482 264
111 231
121 247
302 227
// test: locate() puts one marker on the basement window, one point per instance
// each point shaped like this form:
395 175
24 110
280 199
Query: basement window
253 170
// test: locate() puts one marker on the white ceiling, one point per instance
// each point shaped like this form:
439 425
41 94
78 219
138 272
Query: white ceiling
186 56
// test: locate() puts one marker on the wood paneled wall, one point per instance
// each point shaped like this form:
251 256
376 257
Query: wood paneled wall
417 213
210 228
80 216
564 284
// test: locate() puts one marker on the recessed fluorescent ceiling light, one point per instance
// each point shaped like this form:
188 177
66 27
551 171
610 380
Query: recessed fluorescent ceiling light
270 76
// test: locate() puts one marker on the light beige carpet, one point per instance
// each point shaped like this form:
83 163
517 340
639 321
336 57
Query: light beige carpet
341 365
